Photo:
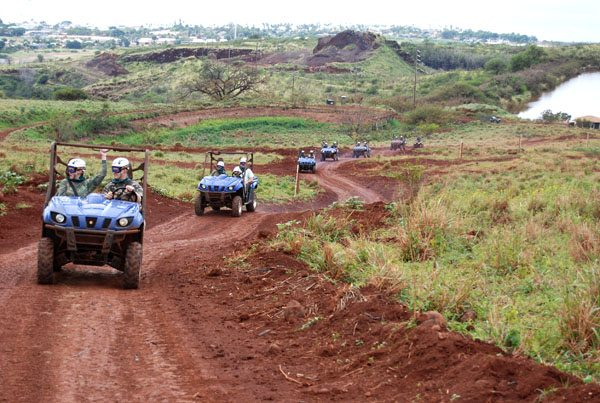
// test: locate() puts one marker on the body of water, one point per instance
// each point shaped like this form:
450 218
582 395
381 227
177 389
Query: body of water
580 96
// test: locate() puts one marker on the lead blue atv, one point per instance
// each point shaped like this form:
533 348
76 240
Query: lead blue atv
220 190
91 230
307 163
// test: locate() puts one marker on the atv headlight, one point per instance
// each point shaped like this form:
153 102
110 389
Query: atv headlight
202 186
230 188
124 221
59 218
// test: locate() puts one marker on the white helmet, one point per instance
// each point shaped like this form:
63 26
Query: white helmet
120 162
220 164
76 163
237 171
243 160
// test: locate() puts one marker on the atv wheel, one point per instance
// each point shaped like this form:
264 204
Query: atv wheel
133 264
236 206
322 157
198 205
313 169
335 157
45 271
251 207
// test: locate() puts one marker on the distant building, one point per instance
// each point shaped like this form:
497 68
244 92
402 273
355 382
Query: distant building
589 121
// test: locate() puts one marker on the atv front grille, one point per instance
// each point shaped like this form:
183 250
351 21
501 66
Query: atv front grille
75 221
106 223
90 222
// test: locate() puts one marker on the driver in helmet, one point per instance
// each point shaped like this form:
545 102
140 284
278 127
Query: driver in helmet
75 182
220 169
302 155
122 187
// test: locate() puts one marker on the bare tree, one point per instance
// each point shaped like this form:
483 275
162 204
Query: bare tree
222 81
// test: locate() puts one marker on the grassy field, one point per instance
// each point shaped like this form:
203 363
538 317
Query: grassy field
513 243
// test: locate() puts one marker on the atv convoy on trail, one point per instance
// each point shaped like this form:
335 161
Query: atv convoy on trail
398 143
361 150
307 163
92 230
219 190
329 152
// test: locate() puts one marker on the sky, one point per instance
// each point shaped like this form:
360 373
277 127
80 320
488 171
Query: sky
556 20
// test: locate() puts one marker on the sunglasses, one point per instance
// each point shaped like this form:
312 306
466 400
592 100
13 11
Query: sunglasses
116 170
72 170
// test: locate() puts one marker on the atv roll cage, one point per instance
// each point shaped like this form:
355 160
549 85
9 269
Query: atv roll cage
55 160
212 157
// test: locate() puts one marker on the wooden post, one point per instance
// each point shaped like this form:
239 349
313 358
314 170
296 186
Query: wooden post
297 186
461 150
520 140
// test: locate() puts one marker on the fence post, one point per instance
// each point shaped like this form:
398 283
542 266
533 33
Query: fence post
297 185
520 140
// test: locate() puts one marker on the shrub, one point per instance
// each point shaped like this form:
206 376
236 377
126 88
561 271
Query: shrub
9 181
70 94
429 114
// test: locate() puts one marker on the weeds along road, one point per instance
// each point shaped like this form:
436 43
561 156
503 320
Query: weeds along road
84 338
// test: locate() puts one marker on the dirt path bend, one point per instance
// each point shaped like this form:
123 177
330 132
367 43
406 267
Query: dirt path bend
86 339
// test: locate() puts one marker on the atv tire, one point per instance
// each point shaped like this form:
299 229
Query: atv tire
45 270
236 206
198 205
251 207
335 157
133 264
322 157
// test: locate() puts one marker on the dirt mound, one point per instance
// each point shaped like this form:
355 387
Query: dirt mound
174 54
107 63
347 46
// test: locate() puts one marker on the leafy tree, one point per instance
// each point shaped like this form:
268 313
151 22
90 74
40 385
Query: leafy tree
527 58
496 65
73 45
549 116
221 81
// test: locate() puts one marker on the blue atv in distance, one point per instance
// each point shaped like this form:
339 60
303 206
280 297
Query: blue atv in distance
307 163
91 230
329 152
217 191
361 150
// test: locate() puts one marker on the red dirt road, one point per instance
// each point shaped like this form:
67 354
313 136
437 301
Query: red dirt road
202 328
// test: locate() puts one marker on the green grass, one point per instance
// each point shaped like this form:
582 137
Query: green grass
517 243
247 132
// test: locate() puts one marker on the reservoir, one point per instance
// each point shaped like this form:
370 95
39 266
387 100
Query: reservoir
578 97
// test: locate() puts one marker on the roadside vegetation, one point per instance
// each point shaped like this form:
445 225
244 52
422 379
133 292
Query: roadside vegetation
508 251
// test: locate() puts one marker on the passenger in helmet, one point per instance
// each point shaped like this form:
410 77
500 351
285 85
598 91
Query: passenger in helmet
75 182
334 145
220 169
237 172
122 186
247 173
311 154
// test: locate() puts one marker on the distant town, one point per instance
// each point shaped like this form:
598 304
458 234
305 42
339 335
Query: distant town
40 35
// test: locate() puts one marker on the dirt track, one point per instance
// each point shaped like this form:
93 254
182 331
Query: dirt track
205 328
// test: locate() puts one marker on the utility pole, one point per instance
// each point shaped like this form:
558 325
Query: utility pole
417 62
